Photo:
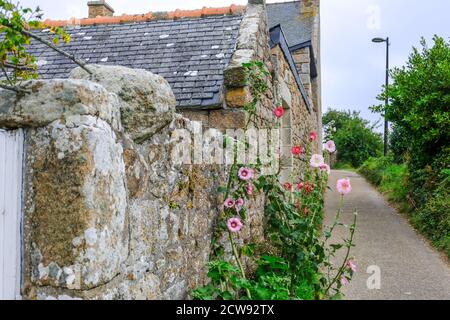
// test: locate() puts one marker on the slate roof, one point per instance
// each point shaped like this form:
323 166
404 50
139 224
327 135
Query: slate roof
190 53
297 28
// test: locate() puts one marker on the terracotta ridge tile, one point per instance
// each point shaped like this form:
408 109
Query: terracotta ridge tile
172 15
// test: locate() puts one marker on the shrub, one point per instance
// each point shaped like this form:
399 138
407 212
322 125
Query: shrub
393 182
373 169
433 219
419 111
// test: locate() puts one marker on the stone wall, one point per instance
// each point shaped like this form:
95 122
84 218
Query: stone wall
302 59
109 213
298 121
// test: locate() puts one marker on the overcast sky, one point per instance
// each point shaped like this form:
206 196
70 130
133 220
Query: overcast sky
352 66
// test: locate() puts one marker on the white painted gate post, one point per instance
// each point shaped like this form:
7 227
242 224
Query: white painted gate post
11 154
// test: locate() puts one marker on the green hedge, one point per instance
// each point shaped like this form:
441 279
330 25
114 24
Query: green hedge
432 216
433 219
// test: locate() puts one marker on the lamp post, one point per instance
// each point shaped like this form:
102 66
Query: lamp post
386 123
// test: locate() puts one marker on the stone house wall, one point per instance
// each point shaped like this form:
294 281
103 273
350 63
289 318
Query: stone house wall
253 44
298 121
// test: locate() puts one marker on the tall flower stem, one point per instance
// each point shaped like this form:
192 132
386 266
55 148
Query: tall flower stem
238 261
336 219
349 247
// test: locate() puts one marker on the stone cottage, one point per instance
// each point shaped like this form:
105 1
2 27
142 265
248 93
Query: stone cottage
94 205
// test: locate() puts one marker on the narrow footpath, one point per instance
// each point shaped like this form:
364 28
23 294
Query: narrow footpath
409 267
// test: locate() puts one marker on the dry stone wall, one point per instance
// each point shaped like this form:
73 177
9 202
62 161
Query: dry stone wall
108 212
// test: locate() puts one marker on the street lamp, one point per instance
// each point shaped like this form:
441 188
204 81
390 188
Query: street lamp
386 124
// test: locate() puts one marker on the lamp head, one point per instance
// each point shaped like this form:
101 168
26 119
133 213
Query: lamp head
378 40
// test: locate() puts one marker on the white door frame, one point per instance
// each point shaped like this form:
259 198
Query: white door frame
11 168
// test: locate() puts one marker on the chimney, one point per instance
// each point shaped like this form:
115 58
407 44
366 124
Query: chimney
310 8
100 8
257 2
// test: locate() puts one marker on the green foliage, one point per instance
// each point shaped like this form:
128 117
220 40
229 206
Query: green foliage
419 105
390 177
354 137
16 22
419 108
398 144
433 219
256 74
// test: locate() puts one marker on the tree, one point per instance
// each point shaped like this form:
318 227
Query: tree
355 138
16 32
419 102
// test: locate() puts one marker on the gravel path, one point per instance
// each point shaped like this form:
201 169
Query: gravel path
409 267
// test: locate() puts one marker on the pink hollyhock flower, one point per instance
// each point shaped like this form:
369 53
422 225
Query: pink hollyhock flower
351 265
246 174
234 225
313 136
325 168
239 204
300 186
229 203
330 146
343 186
296 150
278 112
250 189
288 186
344 280
316 160
298 205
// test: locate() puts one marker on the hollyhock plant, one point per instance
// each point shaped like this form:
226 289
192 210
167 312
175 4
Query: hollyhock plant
300 186
313 136
234 224
229 203
246 174
344 280
325 168
250 189
316 160
330 146
239 204
343 186
351 265
288 186
278 112
296 150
